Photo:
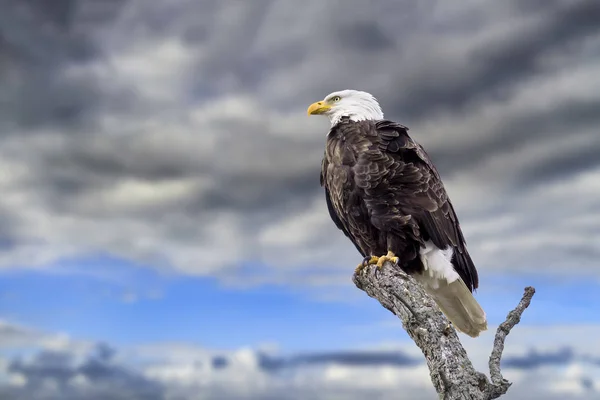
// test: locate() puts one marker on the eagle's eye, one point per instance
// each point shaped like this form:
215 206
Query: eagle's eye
335 98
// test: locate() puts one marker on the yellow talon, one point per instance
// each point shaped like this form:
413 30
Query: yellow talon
374 260
388 257
371 261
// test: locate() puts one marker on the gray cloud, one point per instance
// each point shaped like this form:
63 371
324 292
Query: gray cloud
492 67
55 375
165 133
219 362
534 359
572 120
396 358
364 36
40 41
105 372
528 361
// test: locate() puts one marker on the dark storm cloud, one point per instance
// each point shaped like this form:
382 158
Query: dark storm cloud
112 157
248 193
500 65
39 39
364 36
540 127
531 6
51 100
230 57
86 164
212 96
564 164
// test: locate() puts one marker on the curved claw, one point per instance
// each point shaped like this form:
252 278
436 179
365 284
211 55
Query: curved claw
374 260
368 260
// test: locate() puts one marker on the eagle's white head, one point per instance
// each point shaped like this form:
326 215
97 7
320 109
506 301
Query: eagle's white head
356 105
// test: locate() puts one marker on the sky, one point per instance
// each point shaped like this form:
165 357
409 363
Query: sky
163 232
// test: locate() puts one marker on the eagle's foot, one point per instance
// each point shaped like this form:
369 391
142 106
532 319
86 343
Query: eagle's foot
374 260
369 260
388 257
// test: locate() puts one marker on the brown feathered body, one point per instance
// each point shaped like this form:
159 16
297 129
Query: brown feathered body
385 194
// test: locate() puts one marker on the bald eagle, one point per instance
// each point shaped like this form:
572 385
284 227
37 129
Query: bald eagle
384 193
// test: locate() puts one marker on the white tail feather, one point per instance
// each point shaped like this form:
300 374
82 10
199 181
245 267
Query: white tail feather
452 296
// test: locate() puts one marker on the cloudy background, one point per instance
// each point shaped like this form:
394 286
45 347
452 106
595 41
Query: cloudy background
163 233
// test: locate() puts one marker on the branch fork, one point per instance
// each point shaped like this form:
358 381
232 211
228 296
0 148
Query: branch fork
451 370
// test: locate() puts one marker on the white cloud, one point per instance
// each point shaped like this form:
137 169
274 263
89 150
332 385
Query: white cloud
243 373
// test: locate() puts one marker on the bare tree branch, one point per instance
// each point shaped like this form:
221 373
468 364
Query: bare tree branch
451 371
499 384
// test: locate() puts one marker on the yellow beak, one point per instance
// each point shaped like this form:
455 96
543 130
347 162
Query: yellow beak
317 108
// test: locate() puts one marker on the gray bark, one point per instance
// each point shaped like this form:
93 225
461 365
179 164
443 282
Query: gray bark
451 371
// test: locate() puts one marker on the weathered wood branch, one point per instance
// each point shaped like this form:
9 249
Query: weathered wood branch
451 371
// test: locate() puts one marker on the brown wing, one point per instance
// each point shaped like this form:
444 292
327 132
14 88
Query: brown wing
333 213
404 188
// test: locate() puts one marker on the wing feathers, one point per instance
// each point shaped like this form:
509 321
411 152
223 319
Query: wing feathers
412 186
